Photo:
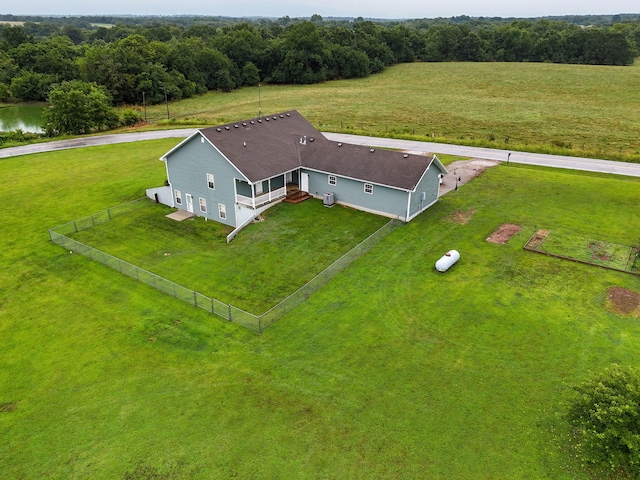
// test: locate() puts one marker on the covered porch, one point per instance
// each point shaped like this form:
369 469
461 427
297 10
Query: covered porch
280 187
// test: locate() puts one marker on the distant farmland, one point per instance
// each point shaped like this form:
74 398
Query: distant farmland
582 110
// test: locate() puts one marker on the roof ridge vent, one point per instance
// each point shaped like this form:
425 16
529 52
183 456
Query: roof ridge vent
236 126
406 155
259 120
281 116
218 129
372 150
288 114
266 118
244 124
227 127
252 122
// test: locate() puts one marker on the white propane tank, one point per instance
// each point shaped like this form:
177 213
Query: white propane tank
447 260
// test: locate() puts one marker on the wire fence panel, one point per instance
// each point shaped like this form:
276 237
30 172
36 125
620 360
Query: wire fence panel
303 293
245 319
256 323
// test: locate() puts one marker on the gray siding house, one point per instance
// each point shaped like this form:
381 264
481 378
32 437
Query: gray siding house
233 172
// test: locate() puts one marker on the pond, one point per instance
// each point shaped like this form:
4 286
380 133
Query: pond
27 118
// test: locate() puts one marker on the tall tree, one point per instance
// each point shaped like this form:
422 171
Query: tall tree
78 107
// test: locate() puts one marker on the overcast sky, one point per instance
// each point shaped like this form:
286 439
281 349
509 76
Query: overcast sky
326 8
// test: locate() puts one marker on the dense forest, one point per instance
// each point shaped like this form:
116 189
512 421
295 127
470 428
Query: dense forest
178 57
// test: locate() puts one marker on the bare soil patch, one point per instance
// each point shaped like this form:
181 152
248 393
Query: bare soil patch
537 239
460 216
623 301
504 233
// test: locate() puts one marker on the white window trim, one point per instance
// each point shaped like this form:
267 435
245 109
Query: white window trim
211 184
259 189
203 204
177 195
333 180
222 211
369 190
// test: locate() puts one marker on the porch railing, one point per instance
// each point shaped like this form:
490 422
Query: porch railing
262 199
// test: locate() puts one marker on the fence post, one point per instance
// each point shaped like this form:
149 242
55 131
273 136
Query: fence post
195 299
259 324
109 213
229 308
212 308
75 226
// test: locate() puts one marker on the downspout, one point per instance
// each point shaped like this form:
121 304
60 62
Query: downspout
406 218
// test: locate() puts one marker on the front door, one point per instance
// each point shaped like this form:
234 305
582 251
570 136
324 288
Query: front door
304 182
189 203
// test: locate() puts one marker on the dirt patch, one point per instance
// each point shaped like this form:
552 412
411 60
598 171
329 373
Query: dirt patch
599 252
623 301
504 233
537 239
460 217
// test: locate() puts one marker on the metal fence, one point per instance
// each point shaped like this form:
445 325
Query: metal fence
257 323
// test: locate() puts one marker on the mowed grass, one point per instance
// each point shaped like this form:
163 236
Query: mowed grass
391 370
584 110
265 263
588 249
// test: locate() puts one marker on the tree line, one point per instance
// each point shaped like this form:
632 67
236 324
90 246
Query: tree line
151 62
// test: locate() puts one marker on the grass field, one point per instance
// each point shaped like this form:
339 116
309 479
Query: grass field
267 262
390 371
591 111
589 249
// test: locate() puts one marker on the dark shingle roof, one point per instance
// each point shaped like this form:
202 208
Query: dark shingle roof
262 148
384 167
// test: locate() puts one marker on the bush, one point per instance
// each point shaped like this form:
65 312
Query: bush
606 414
130 118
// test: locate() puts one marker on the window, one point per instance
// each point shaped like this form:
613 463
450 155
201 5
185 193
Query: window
210 183
178 197
222 211
368 188
333 180
203 205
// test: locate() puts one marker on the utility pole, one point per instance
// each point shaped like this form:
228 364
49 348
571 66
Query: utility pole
144 105
166 101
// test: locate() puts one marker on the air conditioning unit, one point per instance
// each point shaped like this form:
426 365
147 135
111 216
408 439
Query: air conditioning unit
329 199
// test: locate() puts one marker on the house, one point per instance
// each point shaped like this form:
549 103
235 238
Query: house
233 172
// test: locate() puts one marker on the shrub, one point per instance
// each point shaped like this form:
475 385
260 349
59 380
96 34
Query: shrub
130 118
606 414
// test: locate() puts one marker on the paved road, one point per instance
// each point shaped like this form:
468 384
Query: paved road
557 161
93 141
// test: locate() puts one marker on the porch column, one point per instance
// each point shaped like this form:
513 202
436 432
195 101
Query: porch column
269 190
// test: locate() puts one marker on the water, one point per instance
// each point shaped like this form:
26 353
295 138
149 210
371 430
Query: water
27 118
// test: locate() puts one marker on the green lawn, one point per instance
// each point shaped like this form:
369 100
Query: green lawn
265 263
391 370
591 111
587 249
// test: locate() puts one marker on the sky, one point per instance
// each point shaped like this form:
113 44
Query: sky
326 8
